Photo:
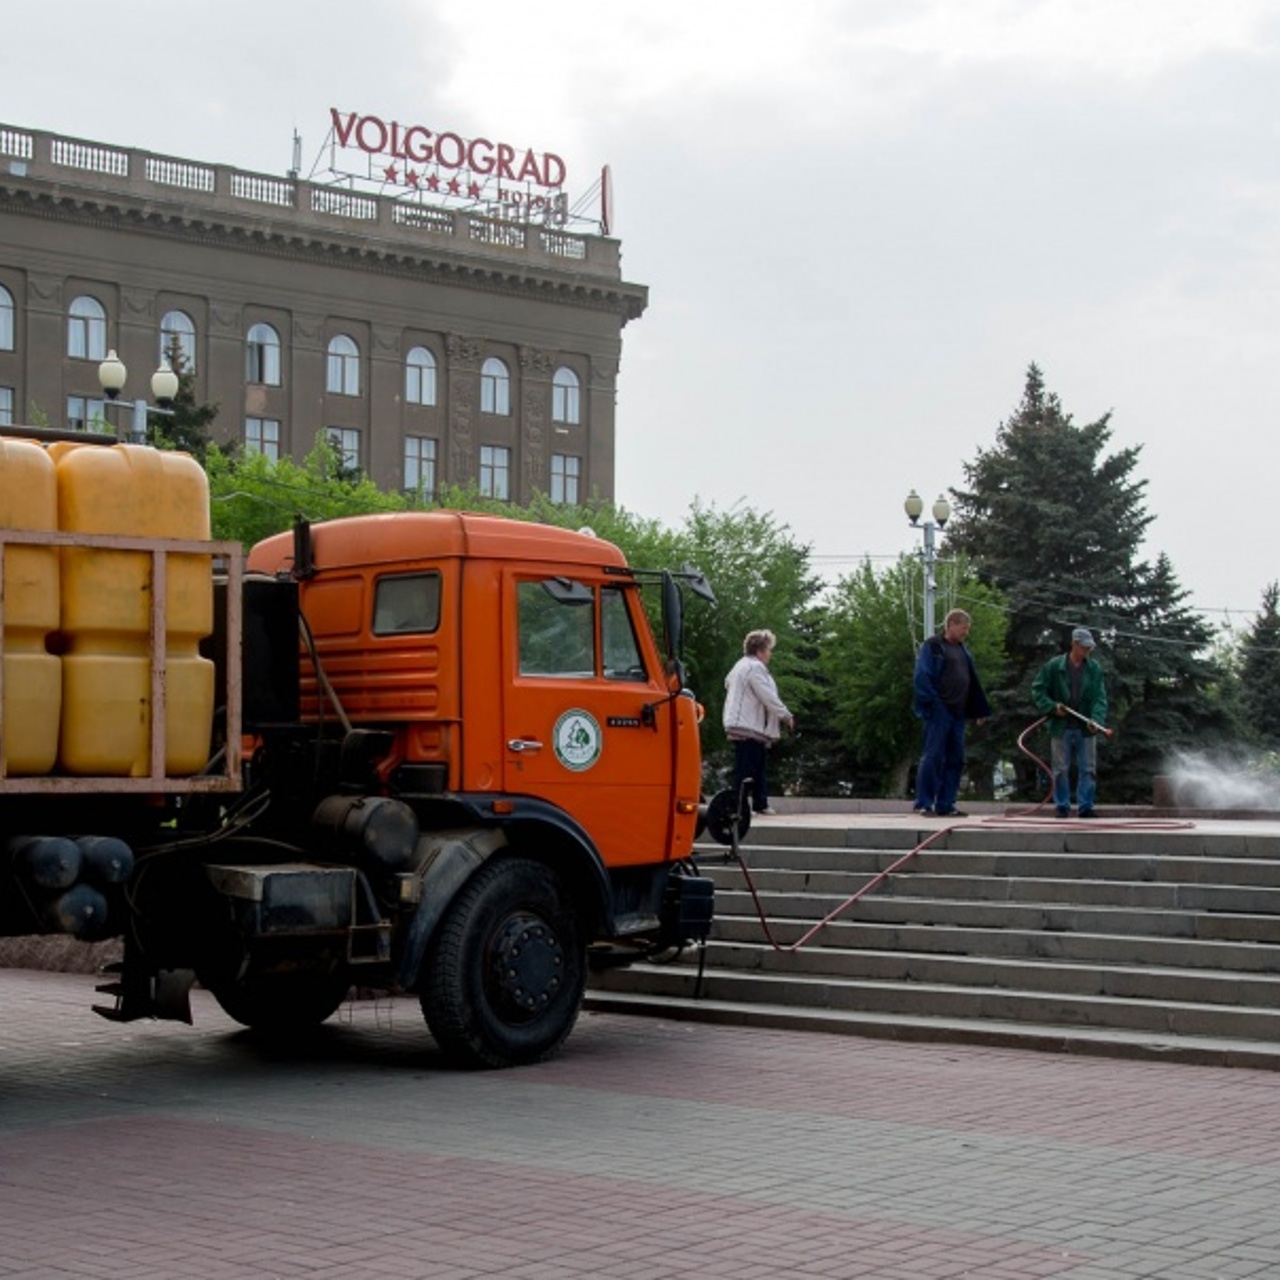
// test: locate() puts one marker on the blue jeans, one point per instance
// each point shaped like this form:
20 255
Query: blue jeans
941 762
1075 744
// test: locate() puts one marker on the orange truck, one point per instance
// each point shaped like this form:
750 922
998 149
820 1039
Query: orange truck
446 755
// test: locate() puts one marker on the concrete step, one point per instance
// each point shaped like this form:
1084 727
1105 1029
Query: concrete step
1097 949
946 1000
1136 981
1053 917
1259 871
1243 840
1163 942
1109 1042
922 882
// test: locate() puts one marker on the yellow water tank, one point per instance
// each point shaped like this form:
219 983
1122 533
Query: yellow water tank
106 610
32 675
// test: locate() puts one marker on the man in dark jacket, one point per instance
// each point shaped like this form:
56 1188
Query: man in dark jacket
947 693
1073 682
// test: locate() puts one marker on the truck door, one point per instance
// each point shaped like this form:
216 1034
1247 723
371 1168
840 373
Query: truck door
575 728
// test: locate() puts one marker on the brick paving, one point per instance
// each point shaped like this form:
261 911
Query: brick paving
648 1150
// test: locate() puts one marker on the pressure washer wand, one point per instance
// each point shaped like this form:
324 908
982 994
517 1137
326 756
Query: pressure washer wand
1092 725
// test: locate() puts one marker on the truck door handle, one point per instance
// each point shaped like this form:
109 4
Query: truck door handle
523 744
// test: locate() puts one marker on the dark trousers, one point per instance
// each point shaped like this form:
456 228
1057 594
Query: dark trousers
749 759
941 762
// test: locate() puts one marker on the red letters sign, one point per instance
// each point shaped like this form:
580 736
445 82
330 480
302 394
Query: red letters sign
450 165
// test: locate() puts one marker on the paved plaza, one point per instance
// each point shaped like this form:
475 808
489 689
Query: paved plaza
648 1149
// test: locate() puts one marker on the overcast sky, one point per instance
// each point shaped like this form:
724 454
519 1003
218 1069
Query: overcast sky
859 222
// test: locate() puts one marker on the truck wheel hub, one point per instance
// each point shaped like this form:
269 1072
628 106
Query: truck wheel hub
527 967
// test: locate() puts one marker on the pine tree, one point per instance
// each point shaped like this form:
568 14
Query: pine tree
1260 673
1057 524
187 427
1163 682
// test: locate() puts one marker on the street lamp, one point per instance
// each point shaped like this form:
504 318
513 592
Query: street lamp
914 507
164 387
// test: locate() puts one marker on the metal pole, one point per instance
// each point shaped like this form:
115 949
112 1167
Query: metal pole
138 432
930 586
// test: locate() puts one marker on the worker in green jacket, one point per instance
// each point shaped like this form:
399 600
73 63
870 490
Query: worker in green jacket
1072 682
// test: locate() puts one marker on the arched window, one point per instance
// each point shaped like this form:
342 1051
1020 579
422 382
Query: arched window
178 329
495 388
420 376
7 311
262 356
564 397
343 374
86 329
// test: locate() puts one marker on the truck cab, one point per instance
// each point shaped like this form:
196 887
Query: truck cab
497 686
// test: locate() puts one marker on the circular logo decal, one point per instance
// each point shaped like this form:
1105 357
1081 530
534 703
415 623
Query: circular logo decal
577 740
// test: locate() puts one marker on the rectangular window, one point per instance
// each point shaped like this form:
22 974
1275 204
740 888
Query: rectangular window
622 660
420 466
565 473
347 442
85 414
407 602
495 472
6 319
6 406
262 435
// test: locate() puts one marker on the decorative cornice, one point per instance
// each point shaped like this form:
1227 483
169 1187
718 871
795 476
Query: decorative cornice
627 301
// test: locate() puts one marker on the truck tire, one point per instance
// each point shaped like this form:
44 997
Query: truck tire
507 968
282 1004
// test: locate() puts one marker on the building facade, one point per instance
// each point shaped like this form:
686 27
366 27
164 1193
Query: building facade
433 345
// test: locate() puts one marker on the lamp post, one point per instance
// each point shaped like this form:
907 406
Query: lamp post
164 387
941 511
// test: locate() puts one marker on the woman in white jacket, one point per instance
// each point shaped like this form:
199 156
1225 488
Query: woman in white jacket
753 716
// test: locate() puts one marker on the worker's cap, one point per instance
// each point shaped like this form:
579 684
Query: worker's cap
1083 637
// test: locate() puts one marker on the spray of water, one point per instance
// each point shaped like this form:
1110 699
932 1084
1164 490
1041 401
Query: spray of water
1224 780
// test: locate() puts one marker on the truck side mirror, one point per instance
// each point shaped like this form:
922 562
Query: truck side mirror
672 617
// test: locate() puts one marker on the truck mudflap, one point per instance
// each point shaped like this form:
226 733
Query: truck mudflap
140 993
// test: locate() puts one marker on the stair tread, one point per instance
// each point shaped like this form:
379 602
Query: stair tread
918 987
1135 968
1209 1050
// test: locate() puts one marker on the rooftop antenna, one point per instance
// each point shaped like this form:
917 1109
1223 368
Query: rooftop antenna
297 156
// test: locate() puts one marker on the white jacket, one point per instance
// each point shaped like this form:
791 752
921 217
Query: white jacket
752 708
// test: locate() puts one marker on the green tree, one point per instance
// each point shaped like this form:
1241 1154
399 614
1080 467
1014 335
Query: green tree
188 427
1259 673
1164 686
762 579
869 661
253 497
1057 524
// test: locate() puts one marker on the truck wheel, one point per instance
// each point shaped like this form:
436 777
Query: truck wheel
507 969
282 1004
